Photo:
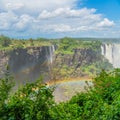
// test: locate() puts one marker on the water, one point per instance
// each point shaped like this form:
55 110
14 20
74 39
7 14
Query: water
65 90
112 53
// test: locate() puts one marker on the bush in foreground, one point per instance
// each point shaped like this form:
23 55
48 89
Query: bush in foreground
32 102
35 101
101 102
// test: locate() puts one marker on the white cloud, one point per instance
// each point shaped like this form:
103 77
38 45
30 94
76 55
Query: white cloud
49 16
16 6
68 12
34 6
105 23
72 20
7 19
23 23
59 28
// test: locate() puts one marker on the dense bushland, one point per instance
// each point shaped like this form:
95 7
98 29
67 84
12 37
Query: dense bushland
8 44
65 45
32 102
101 102
35 101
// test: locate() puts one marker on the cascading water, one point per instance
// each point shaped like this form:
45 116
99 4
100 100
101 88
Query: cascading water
50 54
51 50
30 63
112 53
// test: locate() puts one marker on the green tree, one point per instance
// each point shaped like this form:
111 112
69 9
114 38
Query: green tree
33 101
5 41
101 102
6 85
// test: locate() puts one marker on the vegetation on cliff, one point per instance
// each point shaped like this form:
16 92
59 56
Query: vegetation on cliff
78 58
64 45
7 43
67 45
35 101
73 57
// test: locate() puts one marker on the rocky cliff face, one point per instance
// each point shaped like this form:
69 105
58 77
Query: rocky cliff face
73 64
79 57
3 62
28 64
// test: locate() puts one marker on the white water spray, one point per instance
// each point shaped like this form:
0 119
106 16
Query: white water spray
112 53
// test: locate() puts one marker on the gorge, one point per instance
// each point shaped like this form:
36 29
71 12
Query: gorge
28 64
67 63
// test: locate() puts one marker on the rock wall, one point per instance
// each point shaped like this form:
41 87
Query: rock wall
3 62
28 64
80 56
72 64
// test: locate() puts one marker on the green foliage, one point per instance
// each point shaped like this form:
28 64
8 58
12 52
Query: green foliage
8 44
67 45
101 102
81 58
6 85
33 101
5 41
95 68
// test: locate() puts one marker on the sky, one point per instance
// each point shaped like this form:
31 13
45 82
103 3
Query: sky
60 18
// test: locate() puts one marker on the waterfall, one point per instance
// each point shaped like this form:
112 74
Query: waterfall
51 50
112 53
32 62
50 54
116 55
102 50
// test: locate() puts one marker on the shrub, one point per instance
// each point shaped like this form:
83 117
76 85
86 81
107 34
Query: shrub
32 102
5 41
101 102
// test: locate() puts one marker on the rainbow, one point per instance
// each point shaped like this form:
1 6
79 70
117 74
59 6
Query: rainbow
55 82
